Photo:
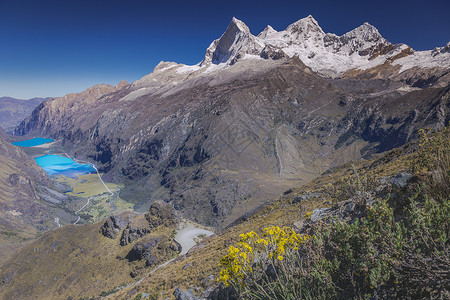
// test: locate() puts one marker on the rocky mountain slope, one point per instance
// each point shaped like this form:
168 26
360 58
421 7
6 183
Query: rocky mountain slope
367 194
13 111
21 213
30 203
258 115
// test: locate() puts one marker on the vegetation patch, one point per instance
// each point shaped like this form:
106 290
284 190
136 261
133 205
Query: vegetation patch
393 248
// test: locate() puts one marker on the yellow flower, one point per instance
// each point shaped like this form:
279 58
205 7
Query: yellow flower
262 241
278 244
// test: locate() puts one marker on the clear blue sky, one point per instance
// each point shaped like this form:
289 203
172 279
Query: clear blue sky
53 47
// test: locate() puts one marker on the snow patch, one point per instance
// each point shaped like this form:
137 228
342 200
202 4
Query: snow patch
423 59
188 69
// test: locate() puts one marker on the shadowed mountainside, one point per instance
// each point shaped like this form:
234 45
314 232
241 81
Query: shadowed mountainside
225 143
13 111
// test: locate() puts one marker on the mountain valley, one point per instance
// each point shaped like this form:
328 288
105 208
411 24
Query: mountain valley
234 143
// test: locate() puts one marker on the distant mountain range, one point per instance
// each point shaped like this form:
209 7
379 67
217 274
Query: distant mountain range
13 111
257 115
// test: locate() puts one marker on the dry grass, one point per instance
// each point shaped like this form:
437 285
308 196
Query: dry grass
191 270
86 185
73 261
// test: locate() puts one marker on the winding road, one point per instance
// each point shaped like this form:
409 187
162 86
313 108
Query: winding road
76 213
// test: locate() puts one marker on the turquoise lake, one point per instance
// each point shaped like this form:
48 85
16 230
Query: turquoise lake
33 142
61 165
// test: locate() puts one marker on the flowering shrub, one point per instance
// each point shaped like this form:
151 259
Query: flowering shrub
246 263
375 254
384 253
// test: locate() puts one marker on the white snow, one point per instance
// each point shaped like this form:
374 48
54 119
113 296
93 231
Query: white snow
188 69
166 68
325 53
214 67
423 59
251 56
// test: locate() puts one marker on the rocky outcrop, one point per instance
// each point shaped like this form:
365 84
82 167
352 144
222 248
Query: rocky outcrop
115 224
133 226
143 250
154 250
273 53
185 295
161 213
132 232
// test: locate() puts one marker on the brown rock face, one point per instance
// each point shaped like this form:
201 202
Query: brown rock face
13 111
161 214
272 53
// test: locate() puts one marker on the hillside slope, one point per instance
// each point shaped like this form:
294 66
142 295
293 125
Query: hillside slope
86 260
93 257
21 214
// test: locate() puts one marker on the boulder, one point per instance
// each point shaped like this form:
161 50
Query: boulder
132 233
184 295
114 224
161 213
401 180
320 213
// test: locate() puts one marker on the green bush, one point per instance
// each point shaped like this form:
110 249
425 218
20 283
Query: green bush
374 255
380 254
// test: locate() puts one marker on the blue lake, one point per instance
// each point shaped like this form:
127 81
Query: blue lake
33 142
61 165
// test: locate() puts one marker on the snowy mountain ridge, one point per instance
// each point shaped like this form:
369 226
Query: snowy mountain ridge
327 53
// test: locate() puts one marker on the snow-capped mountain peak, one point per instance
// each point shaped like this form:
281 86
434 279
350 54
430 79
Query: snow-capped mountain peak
239 25
364 40
305 29
232 45
327 53
267 31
